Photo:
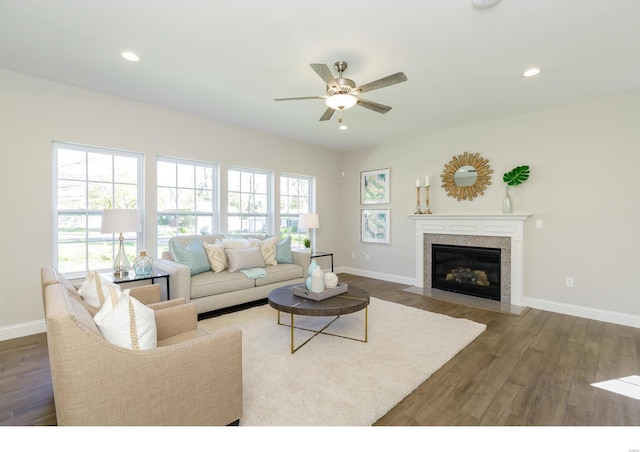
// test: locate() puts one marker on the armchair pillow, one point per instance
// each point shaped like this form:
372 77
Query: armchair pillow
193 256
95 290
127 323
244 258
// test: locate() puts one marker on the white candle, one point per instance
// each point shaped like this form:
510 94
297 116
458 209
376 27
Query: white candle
426 181
417 182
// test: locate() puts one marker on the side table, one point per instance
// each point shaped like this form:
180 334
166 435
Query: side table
132 277
315 254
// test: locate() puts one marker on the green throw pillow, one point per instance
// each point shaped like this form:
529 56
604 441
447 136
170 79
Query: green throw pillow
193 256
283 252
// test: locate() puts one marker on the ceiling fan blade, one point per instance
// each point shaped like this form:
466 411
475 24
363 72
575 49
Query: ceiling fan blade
325 74
398 77
328 113
301 98
378 108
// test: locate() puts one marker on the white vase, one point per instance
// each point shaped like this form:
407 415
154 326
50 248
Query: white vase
507 204
317 280
312 266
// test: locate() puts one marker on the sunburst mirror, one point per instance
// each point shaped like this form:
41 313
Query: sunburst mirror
466 176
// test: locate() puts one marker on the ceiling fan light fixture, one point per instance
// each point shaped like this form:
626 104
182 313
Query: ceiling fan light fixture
341 124
341 101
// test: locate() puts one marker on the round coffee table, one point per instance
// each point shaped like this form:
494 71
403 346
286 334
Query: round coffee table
354 300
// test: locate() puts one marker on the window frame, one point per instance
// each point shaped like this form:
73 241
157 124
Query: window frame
268 216
214 214
88 238
297 237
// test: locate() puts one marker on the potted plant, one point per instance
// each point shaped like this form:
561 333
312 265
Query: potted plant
514 177
307 244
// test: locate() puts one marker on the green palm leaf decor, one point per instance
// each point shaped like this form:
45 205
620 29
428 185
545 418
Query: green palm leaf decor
517 175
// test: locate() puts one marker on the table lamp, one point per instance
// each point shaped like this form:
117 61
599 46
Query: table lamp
119 221
309 221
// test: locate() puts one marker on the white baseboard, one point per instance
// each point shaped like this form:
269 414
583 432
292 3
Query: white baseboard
22 329
375 275
602 315
536 303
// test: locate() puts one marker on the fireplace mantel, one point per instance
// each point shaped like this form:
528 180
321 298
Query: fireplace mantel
493 225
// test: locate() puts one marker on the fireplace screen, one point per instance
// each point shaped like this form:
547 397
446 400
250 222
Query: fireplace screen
466 269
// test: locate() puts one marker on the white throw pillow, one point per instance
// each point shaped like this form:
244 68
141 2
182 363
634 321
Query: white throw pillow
95 290
216 255
127 323
236 243
268 249
244 258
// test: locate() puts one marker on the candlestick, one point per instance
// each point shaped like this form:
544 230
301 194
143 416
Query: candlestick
426 196
418 211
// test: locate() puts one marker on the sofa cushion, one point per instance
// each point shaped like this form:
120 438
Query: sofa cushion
239 243
193 256
216 255
268 250
95 290
283 251
279 273
127 323
209 283
244 258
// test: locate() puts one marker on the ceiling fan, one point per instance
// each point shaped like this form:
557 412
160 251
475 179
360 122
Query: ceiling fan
341 93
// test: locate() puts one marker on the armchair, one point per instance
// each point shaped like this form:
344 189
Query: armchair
191 378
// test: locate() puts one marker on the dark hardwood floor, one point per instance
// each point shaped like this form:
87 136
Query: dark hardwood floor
534 369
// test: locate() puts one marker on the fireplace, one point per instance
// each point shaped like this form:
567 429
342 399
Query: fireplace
468 270
504 232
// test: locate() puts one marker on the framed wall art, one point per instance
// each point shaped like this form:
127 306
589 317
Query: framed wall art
374 186
375 226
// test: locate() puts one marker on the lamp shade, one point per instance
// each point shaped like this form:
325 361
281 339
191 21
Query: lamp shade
341 101
120 220
309 221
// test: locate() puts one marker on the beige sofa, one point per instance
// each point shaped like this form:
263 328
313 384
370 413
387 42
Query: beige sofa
212 291
191 377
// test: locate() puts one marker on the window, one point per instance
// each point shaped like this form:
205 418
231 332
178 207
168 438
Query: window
186 199
249 196
87 181
295 198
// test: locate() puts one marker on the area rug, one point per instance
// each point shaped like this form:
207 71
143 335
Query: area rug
332 381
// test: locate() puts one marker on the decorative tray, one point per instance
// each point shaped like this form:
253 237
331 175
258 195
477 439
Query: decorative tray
302 291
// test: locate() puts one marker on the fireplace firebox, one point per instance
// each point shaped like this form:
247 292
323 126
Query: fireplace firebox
467 270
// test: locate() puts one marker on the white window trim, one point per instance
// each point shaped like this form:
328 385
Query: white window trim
311 194
270 215
56 145
215 187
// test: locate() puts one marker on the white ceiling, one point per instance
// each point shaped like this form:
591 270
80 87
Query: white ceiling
228 60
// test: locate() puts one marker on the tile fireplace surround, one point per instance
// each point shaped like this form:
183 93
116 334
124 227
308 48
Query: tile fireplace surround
504 231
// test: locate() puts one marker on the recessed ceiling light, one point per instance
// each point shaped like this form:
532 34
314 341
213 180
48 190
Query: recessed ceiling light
531 72
130 56
484 4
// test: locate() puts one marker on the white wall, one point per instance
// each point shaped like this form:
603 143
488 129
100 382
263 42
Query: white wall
583 160
35 112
